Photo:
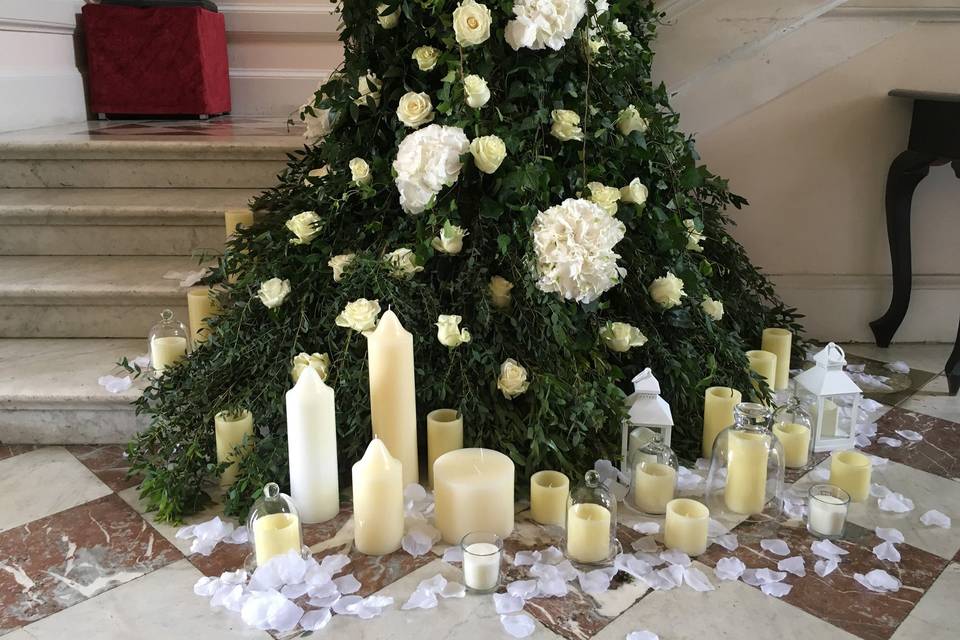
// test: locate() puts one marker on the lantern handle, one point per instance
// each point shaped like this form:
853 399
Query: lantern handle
832 346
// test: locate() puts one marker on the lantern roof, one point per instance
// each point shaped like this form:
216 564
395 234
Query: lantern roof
645 405
827 377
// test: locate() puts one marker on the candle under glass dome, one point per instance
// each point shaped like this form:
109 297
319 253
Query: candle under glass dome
590 537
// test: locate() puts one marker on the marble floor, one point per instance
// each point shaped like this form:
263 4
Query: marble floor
80 559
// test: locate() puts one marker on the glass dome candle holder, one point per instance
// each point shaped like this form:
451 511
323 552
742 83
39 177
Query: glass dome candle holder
653 478
590 537
794 429
274 526
167 341
832 399
746 469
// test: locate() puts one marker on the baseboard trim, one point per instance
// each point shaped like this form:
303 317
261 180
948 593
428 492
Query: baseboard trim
914 14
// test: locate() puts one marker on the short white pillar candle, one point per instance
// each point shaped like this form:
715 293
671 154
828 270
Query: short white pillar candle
549 494
685 526
482 554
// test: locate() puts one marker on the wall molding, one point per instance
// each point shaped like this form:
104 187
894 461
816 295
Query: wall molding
40 16
913 14
281 74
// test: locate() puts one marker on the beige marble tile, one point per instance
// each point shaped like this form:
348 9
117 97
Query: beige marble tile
733 611
19 634
454 619
935 616
934 400
924 356
42 482
132 497
160 605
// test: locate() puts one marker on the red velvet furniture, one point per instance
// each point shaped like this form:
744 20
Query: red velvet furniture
156 61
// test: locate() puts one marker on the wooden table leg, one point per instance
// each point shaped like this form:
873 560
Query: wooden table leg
906 172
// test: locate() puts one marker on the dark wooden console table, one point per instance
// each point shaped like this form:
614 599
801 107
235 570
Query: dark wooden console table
934 140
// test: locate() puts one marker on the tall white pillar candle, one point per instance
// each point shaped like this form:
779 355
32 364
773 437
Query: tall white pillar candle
377 501
444 433
473 491
312 439
393 395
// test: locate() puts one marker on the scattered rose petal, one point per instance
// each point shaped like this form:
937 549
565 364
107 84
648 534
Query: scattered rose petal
794 565
646 544
728 541
890 442
697 580
596 581
879 490
759 577
909 434
453 554
642 635
729 568
334 564
870 406
716 528
551 555
115 384
861 441
828 550
526 558
889 534
230 597
886 551
674 556
206 586
934 518
878 580
895 502
823 568
347 584
240 535
315 620
647 528
898 366
416 543
868 429
294 591
632 565
453 590
518 626
142 361
776 589
420 599
525 589
775 546
820 474
506 603
856 368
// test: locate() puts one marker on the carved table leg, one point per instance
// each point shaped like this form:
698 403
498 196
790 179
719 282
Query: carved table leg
906 172
952 369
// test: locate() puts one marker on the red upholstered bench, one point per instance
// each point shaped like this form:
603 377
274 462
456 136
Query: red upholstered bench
156 61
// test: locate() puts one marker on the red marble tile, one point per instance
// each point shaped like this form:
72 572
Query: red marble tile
108 462
10 450
55 562
937 453
838 598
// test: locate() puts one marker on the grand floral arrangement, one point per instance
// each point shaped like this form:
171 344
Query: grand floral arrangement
506 178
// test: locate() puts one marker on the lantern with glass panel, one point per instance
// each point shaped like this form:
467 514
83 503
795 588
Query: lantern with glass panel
831 398
649 419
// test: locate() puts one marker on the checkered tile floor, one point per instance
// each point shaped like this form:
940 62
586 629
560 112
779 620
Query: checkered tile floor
79 558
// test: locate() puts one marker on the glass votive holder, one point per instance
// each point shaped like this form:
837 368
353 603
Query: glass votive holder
686 525
482 553
827 510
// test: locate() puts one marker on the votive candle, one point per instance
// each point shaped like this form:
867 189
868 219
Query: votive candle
276 534
685 526
795 439
653 486
481 561
851 470
827 510
588 533
549 492
444 433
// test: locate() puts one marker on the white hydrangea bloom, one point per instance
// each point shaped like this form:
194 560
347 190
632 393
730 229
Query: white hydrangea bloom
427 161
574 244
544 23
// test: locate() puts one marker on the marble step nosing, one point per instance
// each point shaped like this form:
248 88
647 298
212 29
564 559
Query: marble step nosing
105 216
144 150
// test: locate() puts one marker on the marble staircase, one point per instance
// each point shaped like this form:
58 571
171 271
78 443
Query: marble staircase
94 215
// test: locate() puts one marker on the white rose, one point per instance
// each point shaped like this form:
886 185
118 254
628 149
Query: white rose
566 125
390 20
360 171
471 23
318 123
273 292
629 121
513 379
667 291
500 295
305 226
426 57
449 332
620 336
620 29
694 237
635 192
339 264
450 240
476 91
319 362
605 197
488 152
313 177
359 315
402 263
713 308
415 109
369 87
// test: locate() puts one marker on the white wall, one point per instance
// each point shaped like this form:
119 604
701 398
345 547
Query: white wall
40 83
788 100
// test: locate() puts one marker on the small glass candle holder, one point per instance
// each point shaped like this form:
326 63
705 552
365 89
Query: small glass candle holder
274 525
793 428
827 510
549 493
685 526
653 478
482 554
590 538
168 342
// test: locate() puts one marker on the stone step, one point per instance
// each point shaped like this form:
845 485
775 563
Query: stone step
49 392
131 222
37 161
88 296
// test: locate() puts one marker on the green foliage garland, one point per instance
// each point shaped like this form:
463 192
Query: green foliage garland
571 414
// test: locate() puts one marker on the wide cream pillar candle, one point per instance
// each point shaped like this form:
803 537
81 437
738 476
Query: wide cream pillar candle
778 341
851 470
549 491
588 532
200 306
393 401
377 501
312 440
746 488
473 491
653 486
765 364
166 351
274 535
235 219
795 439
230 430
718 405
444 433
685 526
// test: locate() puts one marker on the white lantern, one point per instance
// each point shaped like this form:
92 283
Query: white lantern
648 416
831 398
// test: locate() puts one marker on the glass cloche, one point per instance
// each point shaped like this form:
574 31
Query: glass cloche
168 341
590 537
653 477
274 525
793 427
746 469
